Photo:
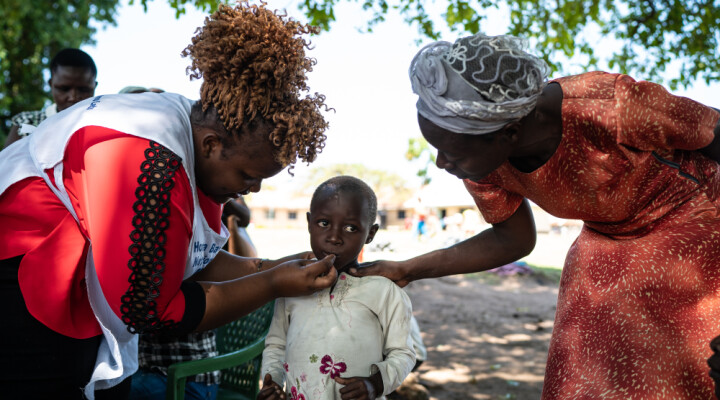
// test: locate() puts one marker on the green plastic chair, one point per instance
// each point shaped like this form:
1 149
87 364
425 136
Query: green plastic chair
240 344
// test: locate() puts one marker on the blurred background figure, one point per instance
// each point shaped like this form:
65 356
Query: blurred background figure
72 79
236 216
139 89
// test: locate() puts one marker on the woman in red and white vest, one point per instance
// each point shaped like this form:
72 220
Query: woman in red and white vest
110 212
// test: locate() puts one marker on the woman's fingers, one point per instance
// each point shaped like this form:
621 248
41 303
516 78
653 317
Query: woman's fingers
323 272
304 277
389 269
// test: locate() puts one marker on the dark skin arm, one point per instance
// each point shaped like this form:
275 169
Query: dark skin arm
236 214
230 266
713 149
13 136
237 244
503 243
361 388
240 210
226 301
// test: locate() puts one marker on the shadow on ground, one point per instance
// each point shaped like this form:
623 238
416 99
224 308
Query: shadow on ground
487 337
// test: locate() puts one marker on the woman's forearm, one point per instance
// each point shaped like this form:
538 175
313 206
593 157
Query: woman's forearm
226 267
504 243
230 300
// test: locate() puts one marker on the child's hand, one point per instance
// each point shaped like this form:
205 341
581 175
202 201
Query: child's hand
357 388
303 277
270 390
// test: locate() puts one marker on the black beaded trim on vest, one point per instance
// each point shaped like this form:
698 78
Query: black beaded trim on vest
147 251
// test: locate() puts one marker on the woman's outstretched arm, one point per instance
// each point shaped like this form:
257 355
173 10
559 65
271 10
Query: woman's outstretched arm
501 244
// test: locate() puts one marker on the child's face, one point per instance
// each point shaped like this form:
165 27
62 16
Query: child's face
339 224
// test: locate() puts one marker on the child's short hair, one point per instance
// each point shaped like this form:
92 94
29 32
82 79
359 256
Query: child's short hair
351 185
73 58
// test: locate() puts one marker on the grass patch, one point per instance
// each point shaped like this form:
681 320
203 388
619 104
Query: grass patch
486 277
542 274
552 274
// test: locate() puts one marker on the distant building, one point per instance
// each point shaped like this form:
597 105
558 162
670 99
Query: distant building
445 199
277 209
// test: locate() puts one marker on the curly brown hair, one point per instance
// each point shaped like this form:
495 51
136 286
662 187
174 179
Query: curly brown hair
253 64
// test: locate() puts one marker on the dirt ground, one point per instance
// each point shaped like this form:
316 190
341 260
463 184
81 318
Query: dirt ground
487 336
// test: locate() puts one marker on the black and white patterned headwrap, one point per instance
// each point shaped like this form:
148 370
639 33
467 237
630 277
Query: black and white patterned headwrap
478 84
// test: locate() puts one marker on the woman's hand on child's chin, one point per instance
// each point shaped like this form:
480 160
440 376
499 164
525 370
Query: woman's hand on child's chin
393 270
303 277
271 390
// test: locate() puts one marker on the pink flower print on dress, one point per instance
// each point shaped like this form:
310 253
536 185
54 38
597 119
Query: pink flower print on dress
285 365
303 377
342 277
294 395
331 367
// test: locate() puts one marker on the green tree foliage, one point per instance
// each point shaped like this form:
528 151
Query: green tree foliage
419 149
390 188
34 30
672 41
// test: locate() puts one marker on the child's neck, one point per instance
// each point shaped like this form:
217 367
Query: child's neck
346 267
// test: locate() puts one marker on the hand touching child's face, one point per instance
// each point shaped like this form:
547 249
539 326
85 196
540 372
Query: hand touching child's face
340 224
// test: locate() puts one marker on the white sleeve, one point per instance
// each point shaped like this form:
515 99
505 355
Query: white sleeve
273 357
399 355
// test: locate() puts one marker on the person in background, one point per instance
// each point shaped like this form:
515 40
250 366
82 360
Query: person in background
140 89
236 216
72 79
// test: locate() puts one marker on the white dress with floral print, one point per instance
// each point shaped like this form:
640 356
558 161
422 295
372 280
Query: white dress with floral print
361 327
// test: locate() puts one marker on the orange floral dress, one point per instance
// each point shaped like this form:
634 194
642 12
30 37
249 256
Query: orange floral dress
639 297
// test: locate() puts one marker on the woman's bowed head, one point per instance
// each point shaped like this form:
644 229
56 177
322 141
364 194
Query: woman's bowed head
253 120
477 85
482 101
256 93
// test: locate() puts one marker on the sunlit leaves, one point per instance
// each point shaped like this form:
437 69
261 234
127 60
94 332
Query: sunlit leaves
33 31
674 41
388 186
419 150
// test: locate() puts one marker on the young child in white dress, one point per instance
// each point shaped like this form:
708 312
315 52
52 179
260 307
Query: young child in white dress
351 341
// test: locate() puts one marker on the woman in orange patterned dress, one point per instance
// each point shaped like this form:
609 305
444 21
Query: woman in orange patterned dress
639 298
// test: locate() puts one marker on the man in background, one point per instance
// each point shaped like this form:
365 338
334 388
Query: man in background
72 79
